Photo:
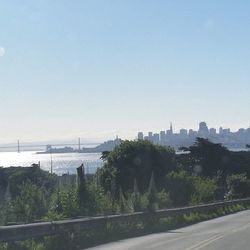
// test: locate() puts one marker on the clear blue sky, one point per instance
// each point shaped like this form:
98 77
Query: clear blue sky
99 68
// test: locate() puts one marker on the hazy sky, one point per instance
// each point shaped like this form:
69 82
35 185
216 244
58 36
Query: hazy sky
95 69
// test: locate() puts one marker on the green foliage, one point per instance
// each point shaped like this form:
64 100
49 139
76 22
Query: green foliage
65 203
185 188
99 202
180 187
16 176
136 160
204 190
30 204
140 203
164 200
6 212
211 158
238 186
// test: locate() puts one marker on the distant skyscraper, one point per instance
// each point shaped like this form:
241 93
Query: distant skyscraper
241 130
150 136
212 131
140 136
183 132
203 130
192 134
226 131
162 136
171 128
156 138
220 130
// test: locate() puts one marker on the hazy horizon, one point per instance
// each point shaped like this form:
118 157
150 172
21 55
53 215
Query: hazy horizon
96 69
96 140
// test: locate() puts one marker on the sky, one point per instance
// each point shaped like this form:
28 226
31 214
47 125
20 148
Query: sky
96 69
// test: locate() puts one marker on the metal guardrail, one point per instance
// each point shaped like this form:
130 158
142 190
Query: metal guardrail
34 230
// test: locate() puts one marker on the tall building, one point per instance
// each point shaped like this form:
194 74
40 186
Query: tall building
156 138
220 130
183 132
170 131
140 136
192 134
171 128
226 131
203 130
162 136
212 131
150 136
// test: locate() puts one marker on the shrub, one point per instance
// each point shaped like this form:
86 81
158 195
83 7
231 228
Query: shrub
30 204
180 187
238 186
204 190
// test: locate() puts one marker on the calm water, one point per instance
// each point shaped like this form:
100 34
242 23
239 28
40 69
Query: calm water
62 163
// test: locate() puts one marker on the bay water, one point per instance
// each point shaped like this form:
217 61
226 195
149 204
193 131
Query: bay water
61 163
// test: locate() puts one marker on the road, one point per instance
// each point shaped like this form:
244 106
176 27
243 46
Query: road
231 232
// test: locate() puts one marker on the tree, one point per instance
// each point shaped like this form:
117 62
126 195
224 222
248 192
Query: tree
136 160
105 155
211 159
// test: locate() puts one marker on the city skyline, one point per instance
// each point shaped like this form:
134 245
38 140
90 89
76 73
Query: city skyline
95 140
187 137
96 69
196 128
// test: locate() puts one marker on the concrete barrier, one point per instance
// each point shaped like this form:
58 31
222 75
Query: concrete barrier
34 230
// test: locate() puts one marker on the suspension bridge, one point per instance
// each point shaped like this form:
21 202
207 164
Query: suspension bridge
19 146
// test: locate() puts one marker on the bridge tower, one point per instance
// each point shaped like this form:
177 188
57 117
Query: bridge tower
18 146
79 144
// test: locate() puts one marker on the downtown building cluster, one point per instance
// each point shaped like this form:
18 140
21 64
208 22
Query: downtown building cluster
185 137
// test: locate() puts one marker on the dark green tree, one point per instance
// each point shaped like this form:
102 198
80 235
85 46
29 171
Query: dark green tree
136 160
207 158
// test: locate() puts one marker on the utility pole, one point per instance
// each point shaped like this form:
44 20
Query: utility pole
18 146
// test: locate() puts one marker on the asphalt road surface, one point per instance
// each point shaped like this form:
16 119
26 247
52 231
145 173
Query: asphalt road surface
231 232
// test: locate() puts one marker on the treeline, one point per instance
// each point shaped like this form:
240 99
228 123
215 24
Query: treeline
136 176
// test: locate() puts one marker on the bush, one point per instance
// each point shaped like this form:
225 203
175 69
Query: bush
30 204
204 190
185 188
164 199
180 187
101 202
64 203
238 186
